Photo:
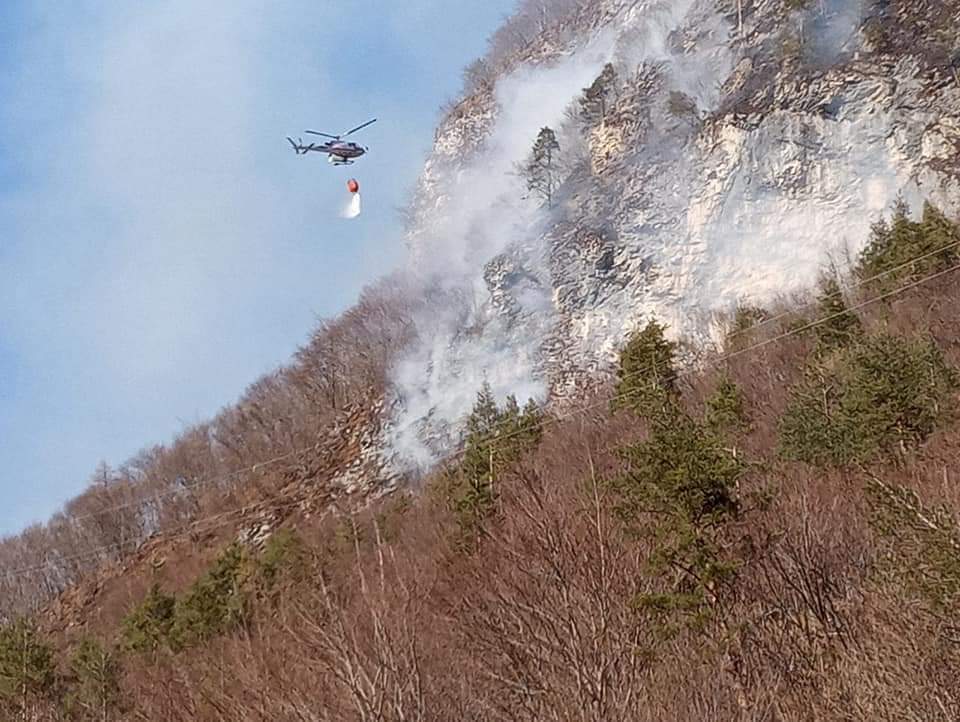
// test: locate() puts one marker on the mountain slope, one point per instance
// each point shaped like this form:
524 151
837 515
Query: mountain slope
770 535
739 152
742 143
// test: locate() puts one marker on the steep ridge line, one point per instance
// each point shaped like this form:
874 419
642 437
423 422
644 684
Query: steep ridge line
544 422
786 159
253 468
839 294
804 106
199 483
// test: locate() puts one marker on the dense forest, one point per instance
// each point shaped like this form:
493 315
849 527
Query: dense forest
770 533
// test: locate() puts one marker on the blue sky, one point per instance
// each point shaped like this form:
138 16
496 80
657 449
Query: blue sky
160 244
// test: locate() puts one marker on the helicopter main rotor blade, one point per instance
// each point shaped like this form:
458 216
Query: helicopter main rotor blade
359 127
325 135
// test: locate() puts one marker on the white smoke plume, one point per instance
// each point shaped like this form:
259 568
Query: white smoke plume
464 342
830 28
484 211
727 214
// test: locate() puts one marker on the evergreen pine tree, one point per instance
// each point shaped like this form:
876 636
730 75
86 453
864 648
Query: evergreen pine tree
541 170
283 554
646 373
880 396
839 327
96 681
725 413
680 487
517 430
216 602
478 447
683 470
595 101
906 249
148 625
896 392
496 439
891 244
680 490
28 674
940 233
745 318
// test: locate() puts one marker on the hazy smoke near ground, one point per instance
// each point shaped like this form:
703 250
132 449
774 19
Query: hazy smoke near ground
720 212
830 28
485 210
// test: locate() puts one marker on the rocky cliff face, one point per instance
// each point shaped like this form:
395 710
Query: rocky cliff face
745 144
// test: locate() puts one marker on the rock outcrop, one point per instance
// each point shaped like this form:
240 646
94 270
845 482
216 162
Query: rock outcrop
745 145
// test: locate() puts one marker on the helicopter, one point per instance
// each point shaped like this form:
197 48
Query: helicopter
339 151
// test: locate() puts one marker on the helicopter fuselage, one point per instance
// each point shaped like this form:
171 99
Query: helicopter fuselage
343 153
344 150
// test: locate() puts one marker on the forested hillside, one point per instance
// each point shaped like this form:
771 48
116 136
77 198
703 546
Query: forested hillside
774 536
659 423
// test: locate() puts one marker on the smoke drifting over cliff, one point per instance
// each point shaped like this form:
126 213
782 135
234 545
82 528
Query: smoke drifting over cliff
731 162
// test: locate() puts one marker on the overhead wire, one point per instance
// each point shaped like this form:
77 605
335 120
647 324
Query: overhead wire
543 421
194 527
556 418
839 294
190 486
253 468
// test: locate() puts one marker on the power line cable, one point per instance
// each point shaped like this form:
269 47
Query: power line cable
453 455
556 418
839 294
